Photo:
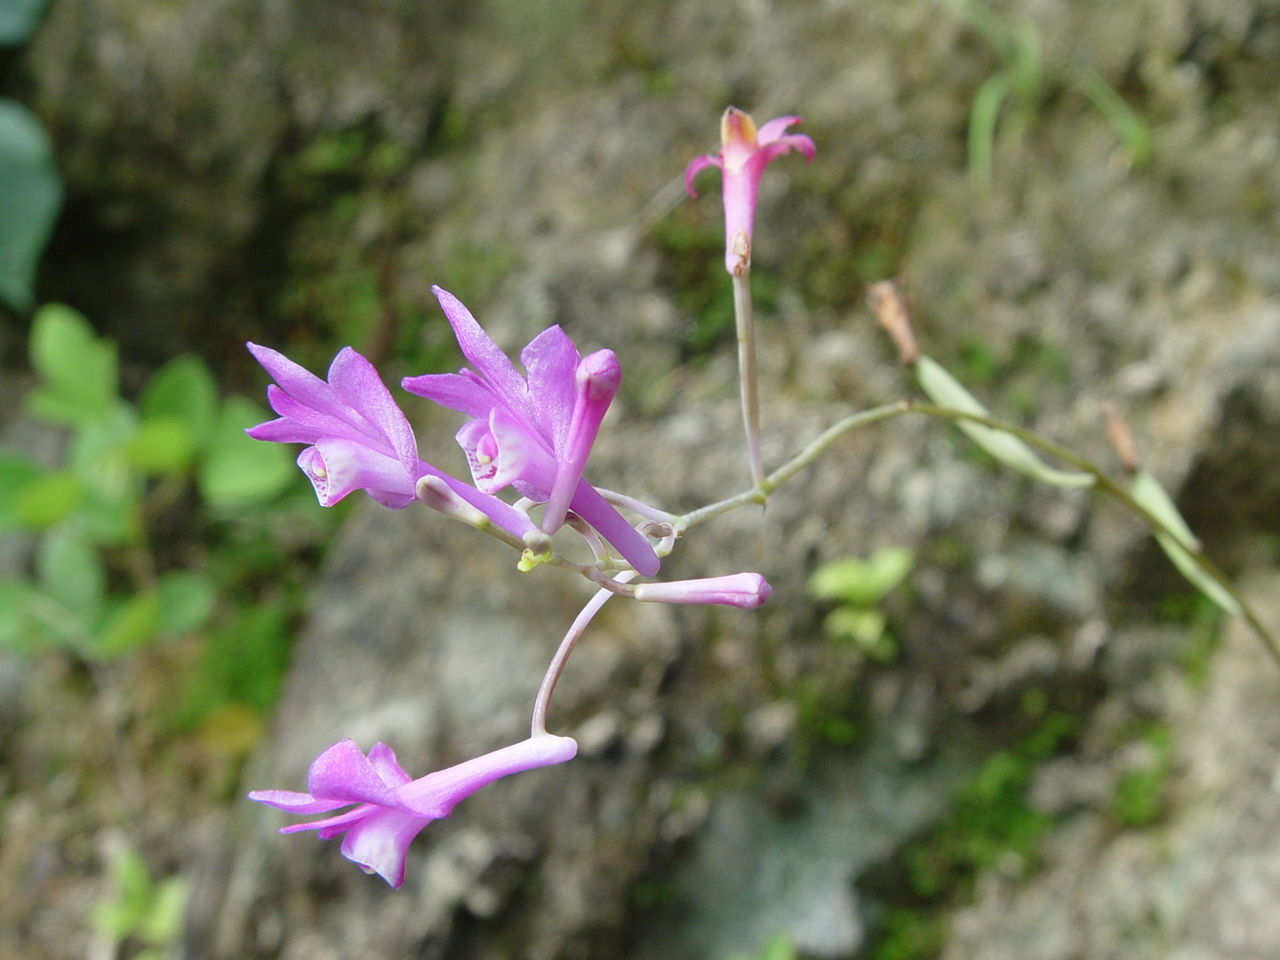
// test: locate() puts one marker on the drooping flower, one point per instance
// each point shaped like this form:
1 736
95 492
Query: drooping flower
746 590
534 433
357 437
743 155
391 808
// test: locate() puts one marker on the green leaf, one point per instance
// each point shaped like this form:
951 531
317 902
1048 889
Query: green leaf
18 18
163 921
239 470
862 583
113 489
78 369
946 391
16 628
186 601
160 445
16 472
130 625
70 572
47 499
30 192
184 388
1179 541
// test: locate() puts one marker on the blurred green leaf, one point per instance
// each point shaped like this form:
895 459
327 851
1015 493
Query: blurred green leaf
113 489
119 915
15 620
160 445
132 624
186 601
1179 541
183 388
16 472
30 192
239 470
163 920
863 583
18 19
78 369
47 499
946 391
71 573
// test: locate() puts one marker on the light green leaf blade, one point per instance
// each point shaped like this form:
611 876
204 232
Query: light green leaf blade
18 19
132 624
946 391
78 369
47 499
160 445
16 472
186 601
70 572
30 192
239 470
1179 540
184 388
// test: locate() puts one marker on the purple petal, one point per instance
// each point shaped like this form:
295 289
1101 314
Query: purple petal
453 391
332 826
490 362
291 802
356 383
344 773
380 843
299 423
503 514
384 762
436 794
551 361
299 382
696 164
600 514
596 383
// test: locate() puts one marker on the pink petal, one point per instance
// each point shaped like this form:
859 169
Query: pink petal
343 773
551 360
600 514
522 460
454 392
746 590
300 423
291 802
436 794
490 362
299 382
773 129
596 383
356 383
380 843
696 164
384 762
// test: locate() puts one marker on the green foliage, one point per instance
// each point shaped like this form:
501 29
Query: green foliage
989 820
140 908
858 586
1179 543
18 18
30 192
1019 85
94 586
907 934
1139 795
777 947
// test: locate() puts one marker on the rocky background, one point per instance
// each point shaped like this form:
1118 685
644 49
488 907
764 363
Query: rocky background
1064 754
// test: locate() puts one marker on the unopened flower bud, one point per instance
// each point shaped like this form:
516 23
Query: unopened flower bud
746 590
435 493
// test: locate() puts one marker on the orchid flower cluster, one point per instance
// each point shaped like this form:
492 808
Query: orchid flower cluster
531 434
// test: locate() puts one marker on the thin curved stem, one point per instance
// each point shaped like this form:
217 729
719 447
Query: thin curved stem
538 725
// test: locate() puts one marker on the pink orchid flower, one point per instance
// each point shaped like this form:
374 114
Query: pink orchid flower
746 590
391 808
743 155
357 437
535 432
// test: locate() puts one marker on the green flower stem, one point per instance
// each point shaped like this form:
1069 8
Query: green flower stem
747 381
1102 482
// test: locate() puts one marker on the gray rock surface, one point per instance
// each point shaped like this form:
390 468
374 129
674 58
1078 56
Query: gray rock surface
713 807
